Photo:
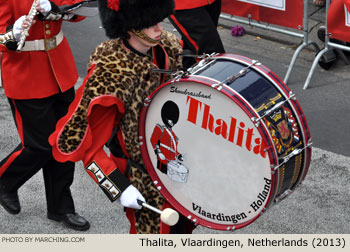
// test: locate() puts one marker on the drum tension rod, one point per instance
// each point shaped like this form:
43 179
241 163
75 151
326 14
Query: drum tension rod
175 75
180 73
241 73
203 62
292 154
156 70
203 56
256 121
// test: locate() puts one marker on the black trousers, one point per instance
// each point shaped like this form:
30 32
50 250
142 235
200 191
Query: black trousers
198 29
35 120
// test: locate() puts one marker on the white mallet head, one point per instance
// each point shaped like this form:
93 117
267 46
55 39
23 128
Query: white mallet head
169 216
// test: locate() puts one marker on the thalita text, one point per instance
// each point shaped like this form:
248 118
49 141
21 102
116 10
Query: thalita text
234 131
223 243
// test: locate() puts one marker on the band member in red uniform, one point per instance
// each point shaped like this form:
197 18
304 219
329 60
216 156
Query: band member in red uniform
336 20
163 139
109 102
39 83
197 22
339 30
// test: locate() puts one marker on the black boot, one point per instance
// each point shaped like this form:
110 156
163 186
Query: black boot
328 58
71 220
9 201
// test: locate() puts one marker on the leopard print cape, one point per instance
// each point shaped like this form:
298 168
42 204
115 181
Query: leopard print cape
126 75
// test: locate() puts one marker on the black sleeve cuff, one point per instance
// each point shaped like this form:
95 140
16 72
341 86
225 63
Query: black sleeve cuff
54 14
9 28
8 40
55 8
112 185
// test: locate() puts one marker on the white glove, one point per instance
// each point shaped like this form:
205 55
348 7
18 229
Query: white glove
161 156
44 6
130 196
68 16
17 27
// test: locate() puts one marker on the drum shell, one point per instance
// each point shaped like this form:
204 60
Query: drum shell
281 181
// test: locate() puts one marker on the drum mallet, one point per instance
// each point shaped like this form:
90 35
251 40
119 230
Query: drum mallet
168 215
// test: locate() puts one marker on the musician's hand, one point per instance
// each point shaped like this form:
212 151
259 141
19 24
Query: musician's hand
159 153
43 6
161 156
130 196
18 27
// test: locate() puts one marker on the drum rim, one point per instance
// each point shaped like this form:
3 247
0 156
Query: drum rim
272 155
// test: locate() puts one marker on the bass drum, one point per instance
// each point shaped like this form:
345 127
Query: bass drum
238 130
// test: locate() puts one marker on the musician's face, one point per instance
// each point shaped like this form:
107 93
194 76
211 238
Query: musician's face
142 44
153 32
170 123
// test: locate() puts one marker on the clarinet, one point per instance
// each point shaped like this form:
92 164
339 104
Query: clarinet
32 13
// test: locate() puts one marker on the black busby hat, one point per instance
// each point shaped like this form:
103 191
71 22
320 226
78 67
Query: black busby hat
120 16
170 111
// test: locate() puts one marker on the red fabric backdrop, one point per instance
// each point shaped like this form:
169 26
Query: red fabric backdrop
292 17
336 20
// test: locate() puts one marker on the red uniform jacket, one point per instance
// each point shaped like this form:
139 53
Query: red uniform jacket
167 142
186 4
35 74
336 20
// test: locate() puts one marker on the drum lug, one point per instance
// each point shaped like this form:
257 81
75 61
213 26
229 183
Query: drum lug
293 153
208 56
283 195
230 228
204 62
309 142
158 187
193 220
217 86
273 170
147 101
177 76
266 149
256 121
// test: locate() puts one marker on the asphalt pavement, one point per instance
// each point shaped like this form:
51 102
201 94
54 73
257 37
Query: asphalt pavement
319 206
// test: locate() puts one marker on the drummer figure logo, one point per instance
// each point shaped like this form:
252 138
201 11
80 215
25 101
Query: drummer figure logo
165 143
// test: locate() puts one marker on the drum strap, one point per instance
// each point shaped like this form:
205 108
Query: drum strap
114 145
134 164
168 148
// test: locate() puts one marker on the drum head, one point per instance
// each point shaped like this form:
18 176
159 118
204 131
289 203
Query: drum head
228 171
